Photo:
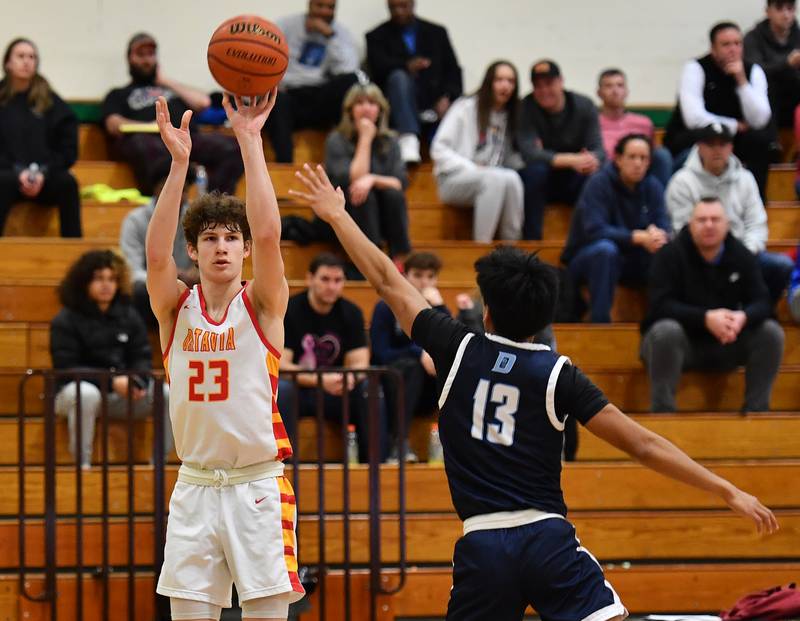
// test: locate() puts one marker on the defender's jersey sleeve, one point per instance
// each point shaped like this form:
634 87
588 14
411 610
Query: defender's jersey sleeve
440 335
577 395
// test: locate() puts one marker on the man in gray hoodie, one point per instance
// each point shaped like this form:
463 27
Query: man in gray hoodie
713 170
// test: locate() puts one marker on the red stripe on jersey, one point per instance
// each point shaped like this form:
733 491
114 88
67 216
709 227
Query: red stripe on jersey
287 525
203 307
254 318
287 498
181 300
295 580
288 551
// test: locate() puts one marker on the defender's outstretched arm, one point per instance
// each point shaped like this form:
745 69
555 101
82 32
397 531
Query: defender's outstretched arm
328 203
661 455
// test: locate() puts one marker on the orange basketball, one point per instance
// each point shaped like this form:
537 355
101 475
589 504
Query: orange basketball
247 55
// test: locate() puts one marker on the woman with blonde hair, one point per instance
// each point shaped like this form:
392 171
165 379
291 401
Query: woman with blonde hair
363 157
38 140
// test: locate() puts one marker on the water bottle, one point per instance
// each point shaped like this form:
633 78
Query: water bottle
435 452
33 171
201 180
351 445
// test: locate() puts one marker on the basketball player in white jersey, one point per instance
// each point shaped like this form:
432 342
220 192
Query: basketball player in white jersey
232 512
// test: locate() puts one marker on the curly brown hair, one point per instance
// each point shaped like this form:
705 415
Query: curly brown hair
215 209
73 291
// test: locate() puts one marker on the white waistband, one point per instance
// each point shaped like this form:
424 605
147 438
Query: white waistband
221 477
506 519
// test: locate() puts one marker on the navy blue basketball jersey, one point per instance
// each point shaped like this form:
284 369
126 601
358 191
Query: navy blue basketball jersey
502 410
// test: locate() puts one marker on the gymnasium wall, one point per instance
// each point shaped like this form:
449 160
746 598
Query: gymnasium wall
82 41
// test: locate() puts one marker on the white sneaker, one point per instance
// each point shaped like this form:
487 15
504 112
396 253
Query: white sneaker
409 148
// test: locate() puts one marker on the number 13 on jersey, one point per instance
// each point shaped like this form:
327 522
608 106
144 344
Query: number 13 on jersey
501 430
217 371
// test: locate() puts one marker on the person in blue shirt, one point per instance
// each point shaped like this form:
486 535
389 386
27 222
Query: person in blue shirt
619 222
503 401
391 347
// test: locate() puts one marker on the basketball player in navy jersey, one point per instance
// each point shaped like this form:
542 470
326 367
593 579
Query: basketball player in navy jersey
503 402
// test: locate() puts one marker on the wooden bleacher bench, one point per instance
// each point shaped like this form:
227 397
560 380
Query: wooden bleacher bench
645 588
49 258
771 435
428 221
609 346
611 536
625 486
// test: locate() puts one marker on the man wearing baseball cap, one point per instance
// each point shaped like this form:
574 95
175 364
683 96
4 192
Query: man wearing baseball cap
558 135
713 170
130 111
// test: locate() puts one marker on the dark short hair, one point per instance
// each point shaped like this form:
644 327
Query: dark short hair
73 291
215 209
710 198
422 261
608 73
780 3
619 148
719 27
325 259
519 290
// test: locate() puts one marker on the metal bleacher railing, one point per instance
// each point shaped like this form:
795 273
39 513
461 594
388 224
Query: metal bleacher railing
54 562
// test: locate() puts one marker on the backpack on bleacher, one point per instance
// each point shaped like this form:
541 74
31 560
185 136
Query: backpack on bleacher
769 605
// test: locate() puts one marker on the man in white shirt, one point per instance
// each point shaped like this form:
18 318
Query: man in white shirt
722 88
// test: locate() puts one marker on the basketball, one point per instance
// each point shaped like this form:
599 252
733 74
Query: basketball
247 55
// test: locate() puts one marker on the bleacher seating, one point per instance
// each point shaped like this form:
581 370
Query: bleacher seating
665 547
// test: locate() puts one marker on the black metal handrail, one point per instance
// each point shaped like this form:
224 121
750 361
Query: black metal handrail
52 378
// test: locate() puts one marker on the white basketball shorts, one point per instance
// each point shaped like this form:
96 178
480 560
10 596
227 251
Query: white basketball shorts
223 530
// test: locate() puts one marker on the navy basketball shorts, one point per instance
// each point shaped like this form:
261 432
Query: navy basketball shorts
497 573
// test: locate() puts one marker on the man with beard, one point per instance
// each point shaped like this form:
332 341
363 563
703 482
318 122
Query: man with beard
129 113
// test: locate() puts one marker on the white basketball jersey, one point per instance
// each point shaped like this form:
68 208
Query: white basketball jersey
223 385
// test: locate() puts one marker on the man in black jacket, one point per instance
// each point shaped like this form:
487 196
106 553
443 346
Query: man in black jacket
99 330
413 62
709 309
558 135
774 44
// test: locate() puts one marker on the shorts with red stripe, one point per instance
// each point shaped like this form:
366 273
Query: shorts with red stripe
218 535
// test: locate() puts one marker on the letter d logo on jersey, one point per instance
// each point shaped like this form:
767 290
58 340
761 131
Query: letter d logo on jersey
504 363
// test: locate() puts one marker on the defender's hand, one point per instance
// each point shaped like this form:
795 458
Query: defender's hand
750 507
326 201
177 139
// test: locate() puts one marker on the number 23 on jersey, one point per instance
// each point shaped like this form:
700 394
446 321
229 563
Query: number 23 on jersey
217 373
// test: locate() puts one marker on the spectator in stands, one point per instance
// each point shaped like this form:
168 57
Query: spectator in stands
391 347
129 113
38 140
709 309
363 157
132 244
323 61
722 88
559 138
474 157
323 329
774 45
616 122
619 222
98 330
413 62
713 170
794 291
